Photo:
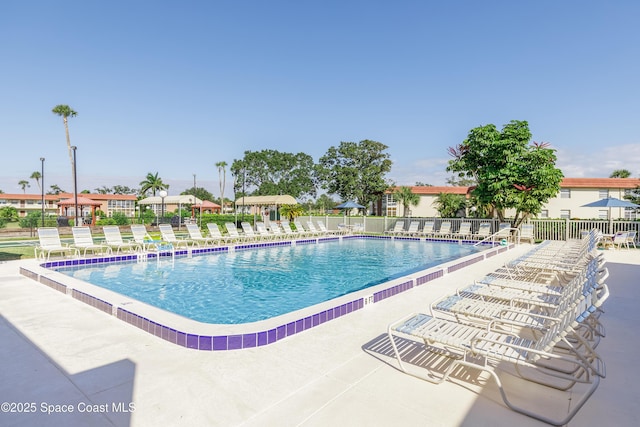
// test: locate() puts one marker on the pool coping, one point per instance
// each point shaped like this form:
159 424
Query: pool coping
218 337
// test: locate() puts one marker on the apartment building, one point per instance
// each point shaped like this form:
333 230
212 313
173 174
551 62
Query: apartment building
574 193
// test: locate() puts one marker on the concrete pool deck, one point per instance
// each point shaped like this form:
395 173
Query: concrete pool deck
60 354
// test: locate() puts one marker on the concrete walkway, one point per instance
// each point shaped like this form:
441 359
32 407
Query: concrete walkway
60 355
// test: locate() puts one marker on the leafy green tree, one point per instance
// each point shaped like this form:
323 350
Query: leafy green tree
31 220
36 176
291 212
152 183
422 184
510 171
270 172
9 213
65 112
620 173
408 198
324 202
355 171
200 193
120 218
449 205
460 182
24 184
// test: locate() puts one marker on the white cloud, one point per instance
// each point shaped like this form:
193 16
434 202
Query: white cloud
600 164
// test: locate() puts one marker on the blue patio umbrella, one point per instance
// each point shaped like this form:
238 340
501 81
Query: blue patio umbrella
610 202
349 204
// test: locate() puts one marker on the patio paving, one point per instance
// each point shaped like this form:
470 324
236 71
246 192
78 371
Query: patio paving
58 351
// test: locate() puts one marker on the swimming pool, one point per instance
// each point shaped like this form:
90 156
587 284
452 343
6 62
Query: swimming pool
252 285
193 334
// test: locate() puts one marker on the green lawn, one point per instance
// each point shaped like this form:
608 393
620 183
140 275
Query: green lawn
15 252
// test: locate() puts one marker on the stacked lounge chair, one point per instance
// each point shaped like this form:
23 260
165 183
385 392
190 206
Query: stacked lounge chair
543 330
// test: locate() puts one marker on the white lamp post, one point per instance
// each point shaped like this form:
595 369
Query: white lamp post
162 194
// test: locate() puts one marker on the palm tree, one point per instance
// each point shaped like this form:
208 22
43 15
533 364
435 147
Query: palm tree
405 196
65 112
36 175
291 212
449 205
24 184
152 182
222 176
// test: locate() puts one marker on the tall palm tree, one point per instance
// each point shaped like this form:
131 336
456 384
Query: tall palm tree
65 112
36 175
24 184
152 182
405 196
222 176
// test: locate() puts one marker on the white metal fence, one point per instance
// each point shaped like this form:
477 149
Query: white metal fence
544 229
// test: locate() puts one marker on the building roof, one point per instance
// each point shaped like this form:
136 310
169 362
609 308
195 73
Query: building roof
624 183
82 201
101 196
21 196
620 183
282 199
171 200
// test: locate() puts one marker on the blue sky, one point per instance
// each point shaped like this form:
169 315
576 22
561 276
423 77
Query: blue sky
174 87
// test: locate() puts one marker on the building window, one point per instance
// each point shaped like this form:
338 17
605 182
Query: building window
565 214
390 205
603 214
544 213
630 213
603 194
565 193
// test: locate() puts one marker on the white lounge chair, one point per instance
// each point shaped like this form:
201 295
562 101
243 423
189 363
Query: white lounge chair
463 231
484 348
427 229
234 233
196 235
527 233
166 230
289 231
323 229
618 240
248 231
142 237
216 234
114 240
412 230
50 243
444 231
264 234
484 231
279 232
83 241
631 238
313 230
300 228
397 228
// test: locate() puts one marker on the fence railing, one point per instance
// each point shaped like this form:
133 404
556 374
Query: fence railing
544 229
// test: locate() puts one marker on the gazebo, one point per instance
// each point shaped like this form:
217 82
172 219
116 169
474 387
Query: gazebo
205 206
82 203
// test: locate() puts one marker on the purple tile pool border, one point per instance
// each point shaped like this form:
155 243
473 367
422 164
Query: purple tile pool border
250 339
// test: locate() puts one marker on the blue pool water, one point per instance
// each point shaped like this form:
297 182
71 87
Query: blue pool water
252 285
